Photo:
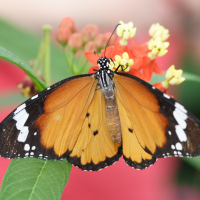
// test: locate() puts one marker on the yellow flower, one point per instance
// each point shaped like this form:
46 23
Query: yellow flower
156 30
157 47
123 61
113 65
125 31
173 76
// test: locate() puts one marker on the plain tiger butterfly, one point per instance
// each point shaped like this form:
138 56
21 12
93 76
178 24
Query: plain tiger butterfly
93 119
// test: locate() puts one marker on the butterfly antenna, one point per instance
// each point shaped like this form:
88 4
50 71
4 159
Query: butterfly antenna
95 53
109 39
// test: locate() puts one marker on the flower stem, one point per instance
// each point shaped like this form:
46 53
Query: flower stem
69 59
46 39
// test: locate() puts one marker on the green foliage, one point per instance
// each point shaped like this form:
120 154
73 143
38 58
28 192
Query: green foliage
5 54
32 178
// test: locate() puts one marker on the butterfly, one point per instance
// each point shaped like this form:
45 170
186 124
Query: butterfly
93 119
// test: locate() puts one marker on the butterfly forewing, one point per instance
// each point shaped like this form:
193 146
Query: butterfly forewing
23 133
155 123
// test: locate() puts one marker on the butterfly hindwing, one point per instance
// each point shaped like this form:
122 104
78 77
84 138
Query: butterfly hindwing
153 124
94 148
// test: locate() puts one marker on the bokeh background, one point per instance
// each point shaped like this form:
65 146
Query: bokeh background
20 33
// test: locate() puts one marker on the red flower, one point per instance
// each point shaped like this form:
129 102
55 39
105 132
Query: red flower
143 66
160 87
110 53
149 66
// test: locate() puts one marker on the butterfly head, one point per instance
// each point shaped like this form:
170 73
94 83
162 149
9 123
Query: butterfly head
103 63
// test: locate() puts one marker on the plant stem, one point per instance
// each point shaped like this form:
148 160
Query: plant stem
47 38
71 61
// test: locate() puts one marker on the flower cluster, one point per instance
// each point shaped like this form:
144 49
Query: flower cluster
88 39
75 43
139 60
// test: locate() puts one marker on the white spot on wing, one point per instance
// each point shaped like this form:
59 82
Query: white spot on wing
153 87
172 146
34 97
48 88
182 115
23 134
180 133
21 120
20 108
179 153
33 147
32 153
166 96
179 146
178 105
35 133
18 115
169 132
26 147
179 119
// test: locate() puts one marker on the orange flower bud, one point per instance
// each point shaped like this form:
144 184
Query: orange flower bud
63 35
85 36
75 41
89 32
90 46
107 37
69 23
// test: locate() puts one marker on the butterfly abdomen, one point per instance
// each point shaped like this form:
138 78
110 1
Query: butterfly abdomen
112 115
113 121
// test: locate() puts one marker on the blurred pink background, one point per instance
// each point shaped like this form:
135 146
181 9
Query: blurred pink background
181 17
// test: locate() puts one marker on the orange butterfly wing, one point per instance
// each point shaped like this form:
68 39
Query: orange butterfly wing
48 124
94 148
150 126
64 112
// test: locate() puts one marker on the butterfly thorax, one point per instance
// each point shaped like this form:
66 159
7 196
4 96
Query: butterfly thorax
105 80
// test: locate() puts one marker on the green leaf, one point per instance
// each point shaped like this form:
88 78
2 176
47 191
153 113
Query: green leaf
7 55
25 45
191 77
188 175
35 179
195 162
